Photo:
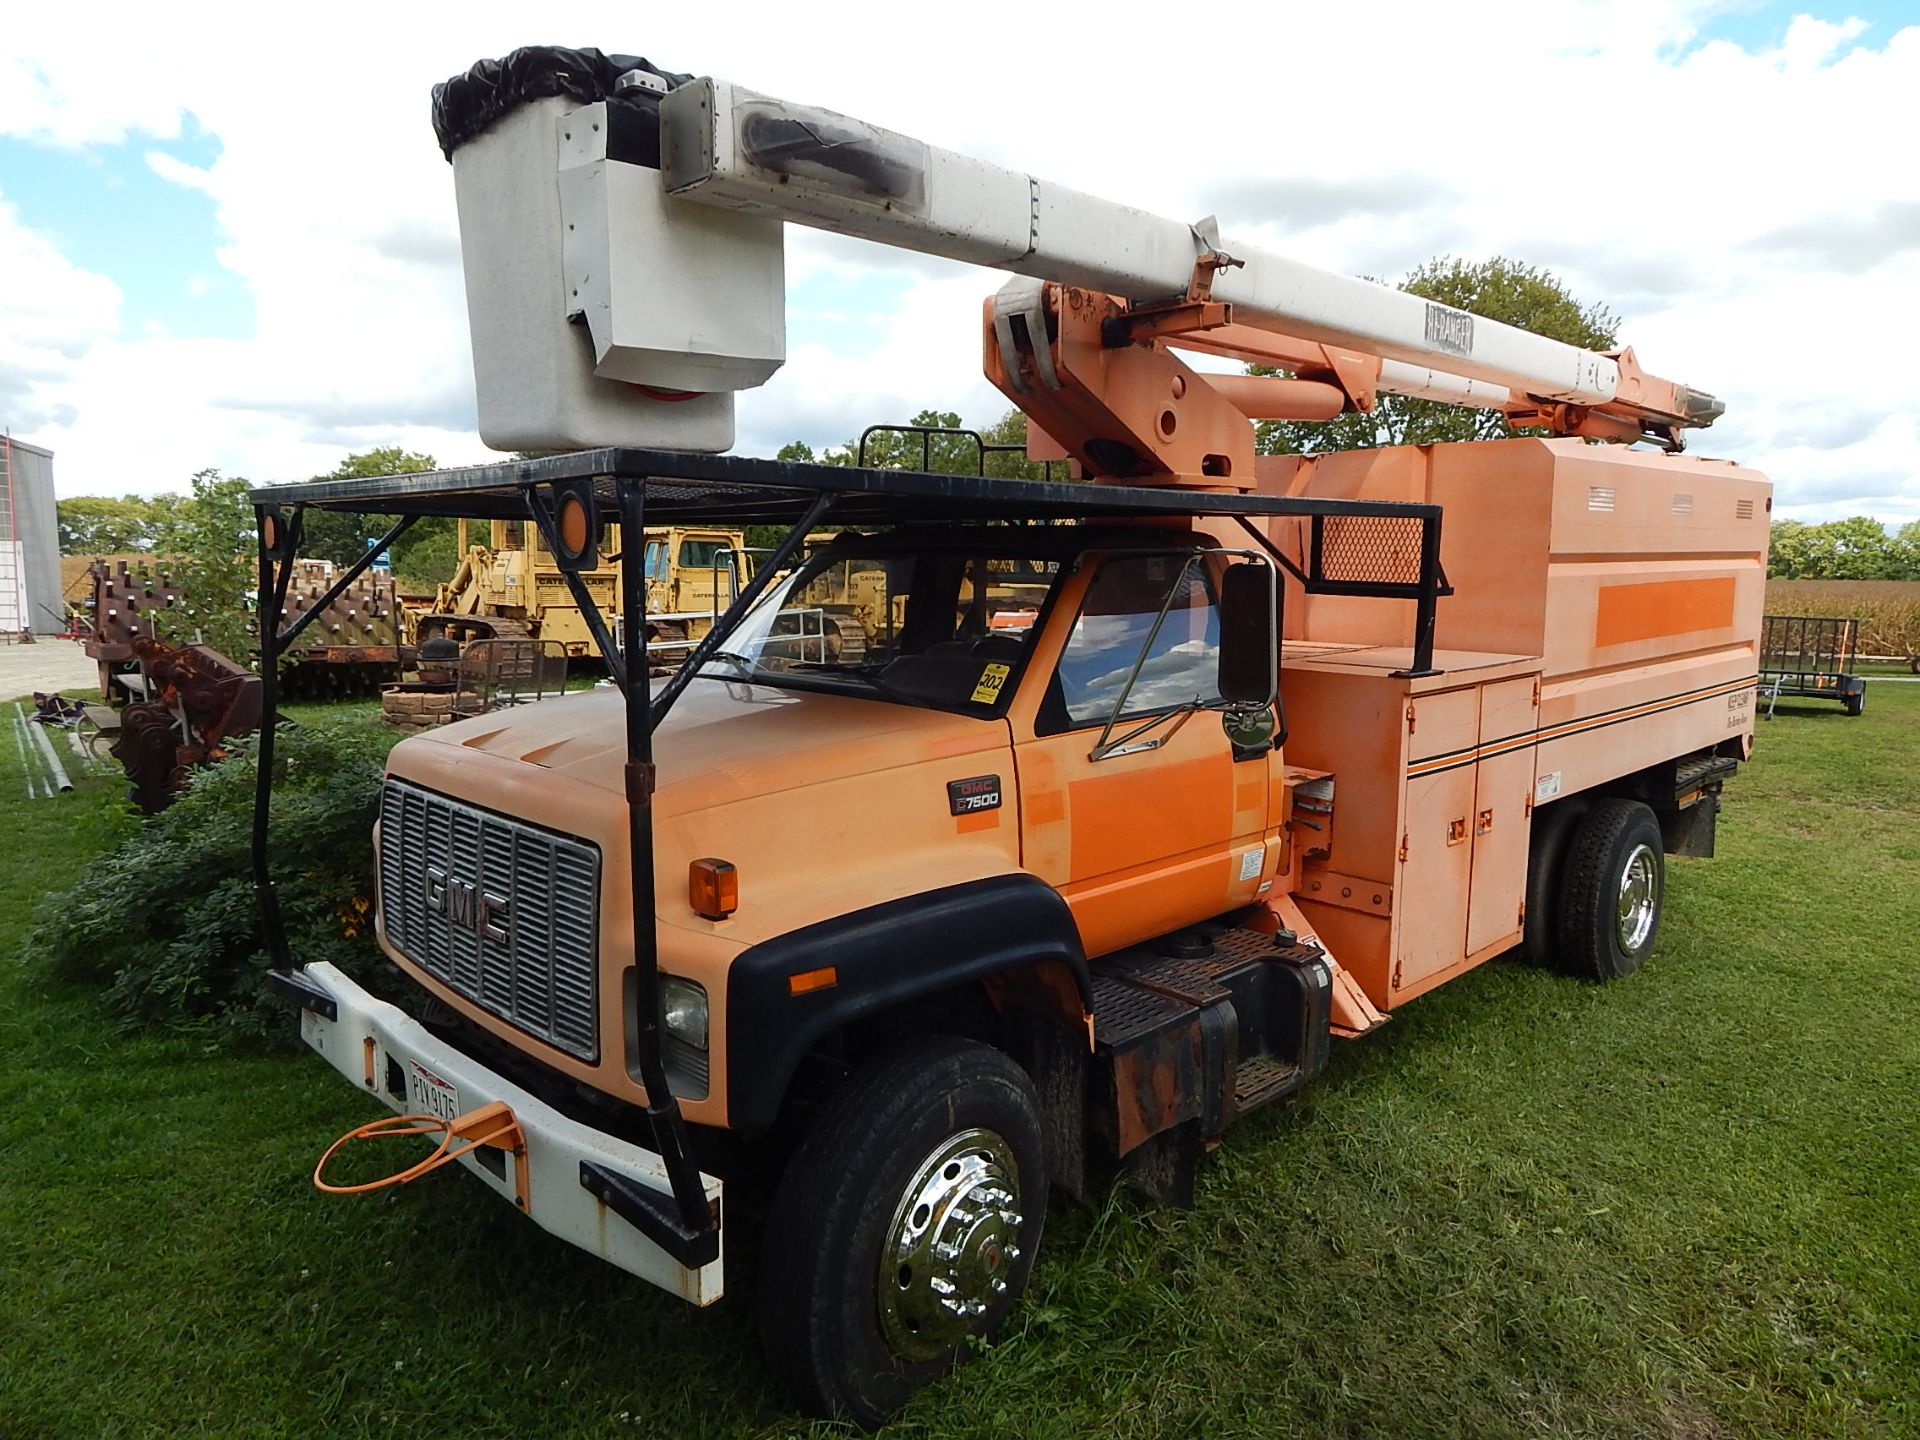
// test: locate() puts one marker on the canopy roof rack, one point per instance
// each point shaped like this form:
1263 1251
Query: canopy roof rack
683 488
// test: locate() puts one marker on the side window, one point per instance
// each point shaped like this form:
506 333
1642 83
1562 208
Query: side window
1181 663
701 554
656 559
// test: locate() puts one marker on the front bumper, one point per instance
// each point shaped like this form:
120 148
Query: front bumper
374 1044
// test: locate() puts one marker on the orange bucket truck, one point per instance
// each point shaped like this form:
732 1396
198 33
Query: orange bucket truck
1140 793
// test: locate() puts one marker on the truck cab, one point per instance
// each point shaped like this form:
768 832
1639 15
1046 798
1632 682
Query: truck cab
1047 728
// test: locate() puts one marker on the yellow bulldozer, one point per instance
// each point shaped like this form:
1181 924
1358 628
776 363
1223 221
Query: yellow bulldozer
511 587
851 602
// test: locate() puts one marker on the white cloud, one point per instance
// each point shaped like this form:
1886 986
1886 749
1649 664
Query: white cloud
173 168
1743 210
52 313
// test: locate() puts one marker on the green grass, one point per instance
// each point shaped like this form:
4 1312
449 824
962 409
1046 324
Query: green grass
1687 1205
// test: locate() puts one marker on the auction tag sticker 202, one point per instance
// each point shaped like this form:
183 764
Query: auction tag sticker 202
991 679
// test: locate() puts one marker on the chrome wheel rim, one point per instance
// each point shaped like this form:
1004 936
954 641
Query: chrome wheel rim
1639 898
952 1245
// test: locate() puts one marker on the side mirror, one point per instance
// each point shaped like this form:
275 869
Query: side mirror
1249 644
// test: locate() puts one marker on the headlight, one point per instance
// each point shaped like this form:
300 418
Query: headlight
683 1010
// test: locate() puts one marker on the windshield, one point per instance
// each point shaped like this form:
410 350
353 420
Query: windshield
942 624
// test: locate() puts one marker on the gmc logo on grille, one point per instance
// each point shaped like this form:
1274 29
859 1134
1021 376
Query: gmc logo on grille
467 906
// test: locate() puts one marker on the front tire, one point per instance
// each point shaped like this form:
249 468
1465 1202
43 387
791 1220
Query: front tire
904 1227
1612 886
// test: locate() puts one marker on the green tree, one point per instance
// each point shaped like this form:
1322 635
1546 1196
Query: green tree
421 558
211 537
165 515
940 454
1011 429
342 537
1858 548
1790 550
892 450
1906 552
100 525
1500 289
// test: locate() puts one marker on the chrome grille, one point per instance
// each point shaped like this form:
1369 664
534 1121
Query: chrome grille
503 912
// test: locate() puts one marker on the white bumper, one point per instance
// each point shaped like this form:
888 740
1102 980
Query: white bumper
555 1145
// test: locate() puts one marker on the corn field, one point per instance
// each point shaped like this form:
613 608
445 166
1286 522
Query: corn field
1888 610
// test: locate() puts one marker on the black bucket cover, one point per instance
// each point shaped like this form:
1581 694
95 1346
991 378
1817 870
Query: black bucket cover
467 105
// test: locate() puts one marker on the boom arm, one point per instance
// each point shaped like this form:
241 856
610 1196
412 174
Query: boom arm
732 148
621 234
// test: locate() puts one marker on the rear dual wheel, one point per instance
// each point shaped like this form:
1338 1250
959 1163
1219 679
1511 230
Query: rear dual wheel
904 1228
1596 882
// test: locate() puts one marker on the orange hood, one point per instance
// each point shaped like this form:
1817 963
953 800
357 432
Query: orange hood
723 741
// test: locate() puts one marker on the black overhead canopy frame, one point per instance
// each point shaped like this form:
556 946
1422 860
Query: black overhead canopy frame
1356 547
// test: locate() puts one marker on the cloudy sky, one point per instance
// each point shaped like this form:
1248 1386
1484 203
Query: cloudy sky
228 243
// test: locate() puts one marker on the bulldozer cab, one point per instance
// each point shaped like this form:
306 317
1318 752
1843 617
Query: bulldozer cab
694 572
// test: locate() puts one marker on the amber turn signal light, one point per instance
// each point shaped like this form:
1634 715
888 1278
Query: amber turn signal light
576 525
713 888
808 981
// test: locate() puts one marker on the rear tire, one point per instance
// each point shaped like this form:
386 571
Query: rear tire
1612 885
1855 703
904 1227
1545 857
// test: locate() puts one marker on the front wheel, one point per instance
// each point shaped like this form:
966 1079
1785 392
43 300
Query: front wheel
904 1227
1612 884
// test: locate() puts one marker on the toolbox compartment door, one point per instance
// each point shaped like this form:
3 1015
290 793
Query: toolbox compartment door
1436 868
1502 818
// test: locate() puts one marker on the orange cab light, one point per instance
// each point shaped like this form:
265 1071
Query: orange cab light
713 888
576 526
808 980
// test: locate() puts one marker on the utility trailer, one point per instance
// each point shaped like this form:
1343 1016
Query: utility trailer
1147 791
1812 656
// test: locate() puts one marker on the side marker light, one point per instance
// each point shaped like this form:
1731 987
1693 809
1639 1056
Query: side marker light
713 888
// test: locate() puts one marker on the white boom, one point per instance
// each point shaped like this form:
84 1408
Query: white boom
733 148
677 274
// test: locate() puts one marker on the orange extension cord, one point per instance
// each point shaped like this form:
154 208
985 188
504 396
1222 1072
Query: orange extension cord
506 1134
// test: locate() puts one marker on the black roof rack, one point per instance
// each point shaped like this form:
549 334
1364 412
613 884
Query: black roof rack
684 488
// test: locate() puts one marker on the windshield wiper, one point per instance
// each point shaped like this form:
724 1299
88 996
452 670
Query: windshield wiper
742 661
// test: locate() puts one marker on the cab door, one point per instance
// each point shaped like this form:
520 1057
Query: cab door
1167 827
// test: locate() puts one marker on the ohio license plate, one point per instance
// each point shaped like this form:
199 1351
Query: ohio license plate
428 1094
